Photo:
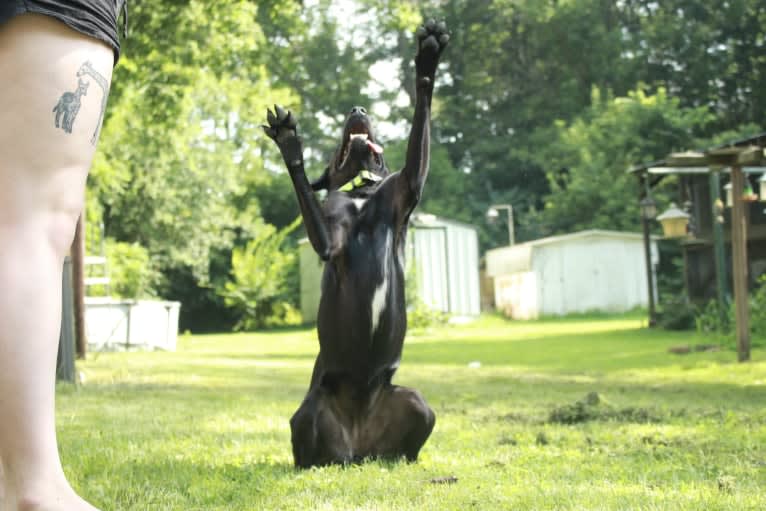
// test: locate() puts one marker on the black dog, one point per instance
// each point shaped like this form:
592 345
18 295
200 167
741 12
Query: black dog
351 410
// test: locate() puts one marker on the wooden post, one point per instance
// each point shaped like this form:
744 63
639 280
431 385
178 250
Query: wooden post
65 358
644 185
739 264
78 286
649 272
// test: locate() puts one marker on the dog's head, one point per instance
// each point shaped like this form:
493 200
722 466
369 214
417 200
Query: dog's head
358 160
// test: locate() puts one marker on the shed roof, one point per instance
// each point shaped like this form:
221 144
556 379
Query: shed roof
422 219
589 233
747 150
518 258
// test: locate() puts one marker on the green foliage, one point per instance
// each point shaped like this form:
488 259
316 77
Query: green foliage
593 407
519 73
177 146
682 43
419 314
258 289
595 151
758 314
718 320
677 313
130 270
715 319
183 169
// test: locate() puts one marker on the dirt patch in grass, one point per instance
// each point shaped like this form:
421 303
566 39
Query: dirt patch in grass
685 349
444 480
593 408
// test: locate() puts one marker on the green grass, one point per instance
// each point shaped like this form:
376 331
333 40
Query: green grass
206 428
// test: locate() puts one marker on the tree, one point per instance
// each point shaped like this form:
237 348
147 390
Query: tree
705 54
178 144
598 147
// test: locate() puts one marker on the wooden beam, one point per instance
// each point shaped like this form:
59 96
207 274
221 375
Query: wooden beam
65 368
687 159
644 185
750 156
739 264
78 286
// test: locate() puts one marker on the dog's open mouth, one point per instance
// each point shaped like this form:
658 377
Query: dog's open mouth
359 131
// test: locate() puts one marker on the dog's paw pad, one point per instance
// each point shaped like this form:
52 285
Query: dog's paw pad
281 123
432 38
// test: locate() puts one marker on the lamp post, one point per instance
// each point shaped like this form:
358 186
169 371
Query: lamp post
648 212
492 214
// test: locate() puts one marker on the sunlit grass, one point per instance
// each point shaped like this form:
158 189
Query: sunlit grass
206 428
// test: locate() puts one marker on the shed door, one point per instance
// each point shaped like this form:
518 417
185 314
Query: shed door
431 263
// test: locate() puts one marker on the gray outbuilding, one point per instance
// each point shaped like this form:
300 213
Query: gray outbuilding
594 270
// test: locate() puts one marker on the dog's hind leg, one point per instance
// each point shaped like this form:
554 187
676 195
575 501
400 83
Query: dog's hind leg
319 435
400 423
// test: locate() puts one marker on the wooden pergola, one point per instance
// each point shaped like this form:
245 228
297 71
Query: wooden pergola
746 155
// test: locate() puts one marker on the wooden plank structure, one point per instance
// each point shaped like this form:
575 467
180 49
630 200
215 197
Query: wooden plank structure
740 157
77 252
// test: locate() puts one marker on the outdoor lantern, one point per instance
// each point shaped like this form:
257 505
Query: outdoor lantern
674 222
729 195
762 182
648 208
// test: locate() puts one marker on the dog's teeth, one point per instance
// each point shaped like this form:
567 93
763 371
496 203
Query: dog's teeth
363 136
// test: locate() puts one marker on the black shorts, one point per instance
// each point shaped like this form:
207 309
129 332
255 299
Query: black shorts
94 18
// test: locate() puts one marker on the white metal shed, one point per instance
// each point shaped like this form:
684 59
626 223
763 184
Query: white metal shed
446 257
592 270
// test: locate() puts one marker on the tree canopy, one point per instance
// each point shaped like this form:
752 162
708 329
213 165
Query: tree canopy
542 104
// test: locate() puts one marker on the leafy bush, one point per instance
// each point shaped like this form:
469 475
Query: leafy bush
419 313
131 274
715 319
677 313
758 314
722 326
258 291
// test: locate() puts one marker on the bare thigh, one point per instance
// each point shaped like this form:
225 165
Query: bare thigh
43 167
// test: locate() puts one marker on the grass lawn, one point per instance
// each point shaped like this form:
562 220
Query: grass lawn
206 428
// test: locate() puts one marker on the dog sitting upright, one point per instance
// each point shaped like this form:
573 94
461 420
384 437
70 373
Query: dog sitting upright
352 411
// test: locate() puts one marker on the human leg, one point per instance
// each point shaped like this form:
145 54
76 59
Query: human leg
42 178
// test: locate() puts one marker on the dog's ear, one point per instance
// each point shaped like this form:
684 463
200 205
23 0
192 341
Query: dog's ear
323 182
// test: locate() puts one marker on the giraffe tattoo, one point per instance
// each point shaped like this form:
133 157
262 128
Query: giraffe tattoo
87 69
68 106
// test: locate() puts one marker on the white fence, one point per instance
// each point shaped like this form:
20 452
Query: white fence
119 325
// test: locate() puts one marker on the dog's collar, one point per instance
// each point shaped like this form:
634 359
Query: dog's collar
360 180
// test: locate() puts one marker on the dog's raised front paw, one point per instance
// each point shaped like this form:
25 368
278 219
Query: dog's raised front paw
432 39
283 129
281 124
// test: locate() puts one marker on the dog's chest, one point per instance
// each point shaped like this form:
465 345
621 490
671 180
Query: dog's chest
358 204
369 268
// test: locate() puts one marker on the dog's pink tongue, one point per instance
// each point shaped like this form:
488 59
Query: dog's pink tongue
375 148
